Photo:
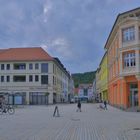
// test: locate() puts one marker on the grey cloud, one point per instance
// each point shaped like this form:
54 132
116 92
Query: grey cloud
84 25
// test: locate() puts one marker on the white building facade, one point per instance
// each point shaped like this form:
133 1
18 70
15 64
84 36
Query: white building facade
85 92
71 89
31 76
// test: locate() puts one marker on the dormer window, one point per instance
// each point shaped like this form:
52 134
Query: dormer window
128 34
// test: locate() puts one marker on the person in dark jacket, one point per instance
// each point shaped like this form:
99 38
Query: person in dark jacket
79 106
105 104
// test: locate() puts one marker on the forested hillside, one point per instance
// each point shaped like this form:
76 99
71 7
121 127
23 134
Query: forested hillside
83 78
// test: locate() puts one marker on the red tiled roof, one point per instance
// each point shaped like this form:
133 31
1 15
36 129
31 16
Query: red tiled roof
24 54
2 50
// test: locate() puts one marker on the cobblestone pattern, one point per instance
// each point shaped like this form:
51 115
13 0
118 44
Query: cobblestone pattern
38 123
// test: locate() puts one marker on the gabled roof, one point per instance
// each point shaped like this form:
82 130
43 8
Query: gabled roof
24 54
2 50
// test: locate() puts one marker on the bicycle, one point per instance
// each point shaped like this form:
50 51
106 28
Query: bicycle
7 109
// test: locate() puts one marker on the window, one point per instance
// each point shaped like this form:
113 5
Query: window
30 66
128 34
44 67
44 79
36 78
129 60
139 32
85 92
2 66
8 66
53 80
133 86
36 66
19 78
21 66
53 68
30 78
2 78
8 78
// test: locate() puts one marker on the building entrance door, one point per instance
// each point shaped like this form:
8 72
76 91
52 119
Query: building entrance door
134 97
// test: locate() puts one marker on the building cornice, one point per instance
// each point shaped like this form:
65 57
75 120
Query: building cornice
120 17
130 48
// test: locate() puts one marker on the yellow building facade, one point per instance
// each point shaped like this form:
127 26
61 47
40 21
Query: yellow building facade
98 86
104 78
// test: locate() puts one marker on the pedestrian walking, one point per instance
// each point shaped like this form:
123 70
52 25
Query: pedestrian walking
105 104
78 106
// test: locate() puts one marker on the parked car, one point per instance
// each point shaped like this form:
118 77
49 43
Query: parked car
72 100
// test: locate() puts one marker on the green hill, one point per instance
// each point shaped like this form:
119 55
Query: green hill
83 78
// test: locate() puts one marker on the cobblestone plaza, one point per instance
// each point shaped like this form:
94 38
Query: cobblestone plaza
38 123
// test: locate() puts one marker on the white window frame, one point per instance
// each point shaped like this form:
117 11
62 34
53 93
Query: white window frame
128 34
129 60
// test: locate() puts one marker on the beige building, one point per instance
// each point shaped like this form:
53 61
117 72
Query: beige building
32 76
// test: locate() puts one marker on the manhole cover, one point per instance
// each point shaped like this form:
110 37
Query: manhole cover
75 119
136 128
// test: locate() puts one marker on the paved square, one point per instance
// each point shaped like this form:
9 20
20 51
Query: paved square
38 123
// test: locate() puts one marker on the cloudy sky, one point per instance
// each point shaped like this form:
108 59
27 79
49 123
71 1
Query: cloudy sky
73 30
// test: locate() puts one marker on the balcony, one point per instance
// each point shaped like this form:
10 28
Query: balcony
129 70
